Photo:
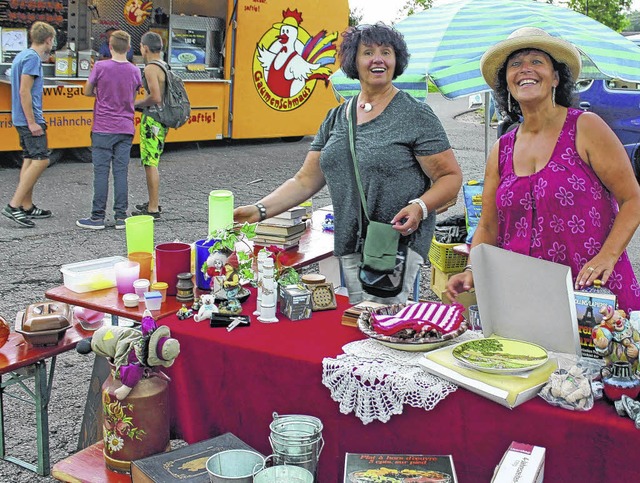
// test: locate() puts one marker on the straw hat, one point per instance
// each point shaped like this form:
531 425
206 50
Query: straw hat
529 38
162 348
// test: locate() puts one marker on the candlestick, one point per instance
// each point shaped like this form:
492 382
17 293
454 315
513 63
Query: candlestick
269 294
262 256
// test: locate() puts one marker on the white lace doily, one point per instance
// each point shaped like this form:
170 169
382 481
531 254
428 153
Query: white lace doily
375 381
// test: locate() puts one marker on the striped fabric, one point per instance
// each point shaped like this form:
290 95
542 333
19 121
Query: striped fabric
446 44
421 317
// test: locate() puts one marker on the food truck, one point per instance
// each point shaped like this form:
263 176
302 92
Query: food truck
251 68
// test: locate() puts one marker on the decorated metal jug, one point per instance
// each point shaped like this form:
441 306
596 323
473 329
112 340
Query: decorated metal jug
137 426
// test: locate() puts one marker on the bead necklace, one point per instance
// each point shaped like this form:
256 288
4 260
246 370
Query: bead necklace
368 107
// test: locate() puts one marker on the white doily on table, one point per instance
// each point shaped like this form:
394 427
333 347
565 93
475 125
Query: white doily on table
375 381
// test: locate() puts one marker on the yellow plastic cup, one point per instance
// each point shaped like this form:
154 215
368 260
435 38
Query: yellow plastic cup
139 232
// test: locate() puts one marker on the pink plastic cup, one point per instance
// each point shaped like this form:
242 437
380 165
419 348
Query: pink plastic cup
172 259
126 273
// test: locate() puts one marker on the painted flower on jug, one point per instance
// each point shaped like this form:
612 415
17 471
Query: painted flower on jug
118 424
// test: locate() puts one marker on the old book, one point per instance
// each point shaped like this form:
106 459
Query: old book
350 316
184 465
295 212
267 229
588 307
283 221
372 468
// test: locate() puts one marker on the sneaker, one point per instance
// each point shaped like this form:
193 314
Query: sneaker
91 223
145 207
120 225
18 215
37 213
155 214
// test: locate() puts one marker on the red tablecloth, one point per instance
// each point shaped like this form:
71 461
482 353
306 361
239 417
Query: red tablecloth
235 381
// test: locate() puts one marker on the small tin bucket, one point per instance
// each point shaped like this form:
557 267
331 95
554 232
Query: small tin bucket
296 440
282 474
234 466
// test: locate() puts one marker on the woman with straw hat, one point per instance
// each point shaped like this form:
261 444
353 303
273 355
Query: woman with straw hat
559 187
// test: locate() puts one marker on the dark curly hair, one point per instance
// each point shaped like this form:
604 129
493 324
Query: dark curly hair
564 91
378 34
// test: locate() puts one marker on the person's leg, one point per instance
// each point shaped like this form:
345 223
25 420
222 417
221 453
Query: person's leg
36 160
152 138
101 155
121 156
153 187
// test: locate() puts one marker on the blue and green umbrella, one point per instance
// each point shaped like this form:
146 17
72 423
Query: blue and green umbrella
447 42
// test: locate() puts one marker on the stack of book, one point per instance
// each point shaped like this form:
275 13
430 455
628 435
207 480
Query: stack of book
351 315
283 231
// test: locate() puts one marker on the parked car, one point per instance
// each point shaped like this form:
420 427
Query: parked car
618 103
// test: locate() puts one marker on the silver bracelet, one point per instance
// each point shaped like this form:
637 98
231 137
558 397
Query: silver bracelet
262 211
423 206
468 268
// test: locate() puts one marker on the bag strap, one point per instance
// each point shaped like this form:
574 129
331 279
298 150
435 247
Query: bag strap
352 117
165 68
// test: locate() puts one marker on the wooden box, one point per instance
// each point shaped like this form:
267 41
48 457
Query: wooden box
439 281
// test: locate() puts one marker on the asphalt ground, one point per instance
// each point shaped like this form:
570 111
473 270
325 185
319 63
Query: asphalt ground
31 258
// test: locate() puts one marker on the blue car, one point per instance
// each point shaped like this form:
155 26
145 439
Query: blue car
618 103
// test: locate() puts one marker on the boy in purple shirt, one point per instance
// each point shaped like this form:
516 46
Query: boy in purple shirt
114 83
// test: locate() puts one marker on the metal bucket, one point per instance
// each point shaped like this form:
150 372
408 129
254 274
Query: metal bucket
234 466
296 440
283 474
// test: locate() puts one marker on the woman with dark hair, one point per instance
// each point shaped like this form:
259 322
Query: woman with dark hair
559 187
406 164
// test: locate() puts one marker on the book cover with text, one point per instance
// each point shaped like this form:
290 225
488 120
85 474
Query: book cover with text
588 306
398 468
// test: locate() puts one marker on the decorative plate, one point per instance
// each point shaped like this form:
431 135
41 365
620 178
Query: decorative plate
423 344
500 356
392 475
323 296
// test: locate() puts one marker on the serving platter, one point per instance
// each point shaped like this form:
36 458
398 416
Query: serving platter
423 344
500 356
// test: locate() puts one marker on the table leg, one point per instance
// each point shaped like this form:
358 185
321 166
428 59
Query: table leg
91 429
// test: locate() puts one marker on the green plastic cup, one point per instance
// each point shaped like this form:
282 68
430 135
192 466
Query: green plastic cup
139 232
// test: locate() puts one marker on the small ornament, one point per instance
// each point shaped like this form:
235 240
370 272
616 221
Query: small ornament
184 313
231 286
366 106
184 287
269 296
207 308
615 339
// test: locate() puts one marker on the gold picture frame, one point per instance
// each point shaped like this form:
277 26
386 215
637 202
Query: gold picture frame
323 296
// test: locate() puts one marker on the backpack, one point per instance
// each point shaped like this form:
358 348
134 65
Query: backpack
175 108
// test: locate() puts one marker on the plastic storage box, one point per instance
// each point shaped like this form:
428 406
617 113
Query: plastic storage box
91 275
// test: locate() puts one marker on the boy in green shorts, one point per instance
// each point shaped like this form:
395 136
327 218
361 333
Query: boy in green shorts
152 132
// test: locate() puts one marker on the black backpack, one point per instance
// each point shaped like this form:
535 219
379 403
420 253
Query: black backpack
175 109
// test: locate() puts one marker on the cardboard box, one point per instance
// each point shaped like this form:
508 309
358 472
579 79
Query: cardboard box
295 302
439 281
522 463
519 297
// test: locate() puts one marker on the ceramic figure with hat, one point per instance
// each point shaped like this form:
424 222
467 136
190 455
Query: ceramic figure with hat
134 352
616 339
558 187
231 286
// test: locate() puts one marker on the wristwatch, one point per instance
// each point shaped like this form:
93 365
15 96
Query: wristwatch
425 211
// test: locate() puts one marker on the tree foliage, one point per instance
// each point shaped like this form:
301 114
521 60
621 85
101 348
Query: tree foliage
414 6
355 17
607 12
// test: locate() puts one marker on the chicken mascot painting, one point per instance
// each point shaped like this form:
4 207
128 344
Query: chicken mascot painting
289 61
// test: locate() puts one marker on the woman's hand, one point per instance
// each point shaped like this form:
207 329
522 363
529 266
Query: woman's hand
599 267
408 219
246 214
459 283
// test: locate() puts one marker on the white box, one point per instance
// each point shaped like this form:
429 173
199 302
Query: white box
522 463
519 297
91 275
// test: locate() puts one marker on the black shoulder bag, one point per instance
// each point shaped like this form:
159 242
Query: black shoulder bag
384 253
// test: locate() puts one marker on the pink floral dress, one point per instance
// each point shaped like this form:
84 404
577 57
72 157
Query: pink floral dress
562 213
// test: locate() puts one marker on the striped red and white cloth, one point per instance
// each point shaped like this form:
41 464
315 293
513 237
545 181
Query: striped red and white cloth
422 316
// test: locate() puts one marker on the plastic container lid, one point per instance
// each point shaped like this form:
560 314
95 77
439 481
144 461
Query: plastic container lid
152 295
159 285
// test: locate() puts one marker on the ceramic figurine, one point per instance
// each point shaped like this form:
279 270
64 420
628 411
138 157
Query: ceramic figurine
231 286
215 269
195 306
616 339
207 308
262 256
327 224
269 294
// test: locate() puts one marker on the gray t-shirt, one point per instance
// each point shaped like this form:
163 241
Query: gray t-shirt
386 148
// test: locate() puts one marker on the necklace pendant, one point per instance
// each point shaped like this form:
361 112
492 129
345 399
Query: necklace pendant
366 107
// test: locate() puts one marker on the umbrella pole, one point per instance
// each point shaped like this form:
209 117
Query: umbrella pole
487 124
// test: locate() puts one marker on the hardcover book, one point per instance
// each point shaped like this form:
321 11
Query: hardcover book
186 464
350 316
276 230
398 468
283 221
295 212
588 306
